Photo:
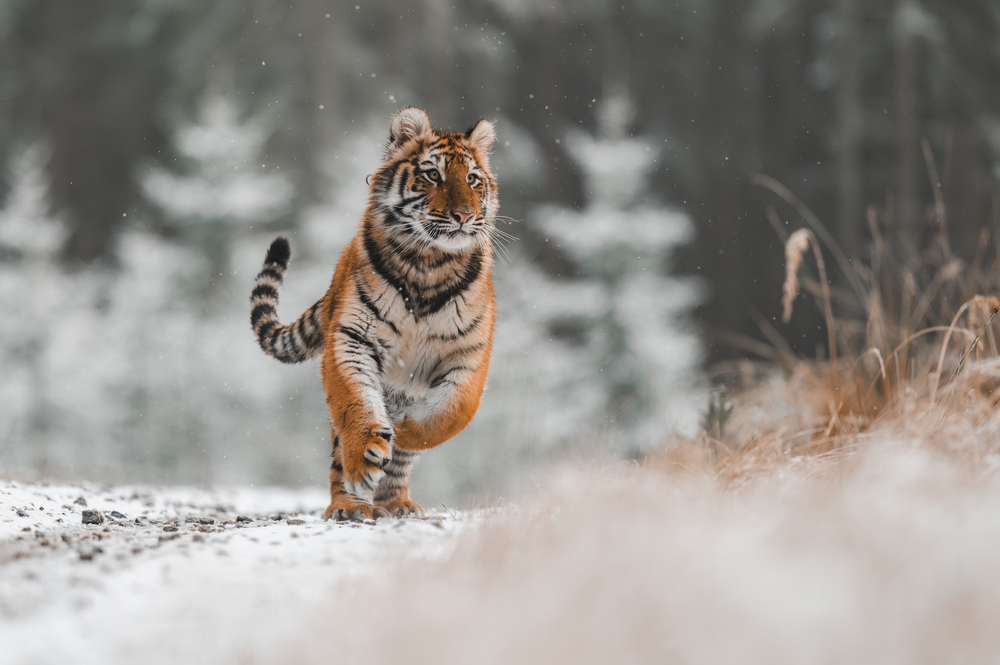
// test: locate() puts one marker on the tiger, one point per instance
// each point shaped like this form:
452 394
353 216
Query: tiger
405 331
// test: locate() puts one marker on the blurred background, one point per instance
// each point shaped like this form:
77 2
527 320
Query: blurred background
150 150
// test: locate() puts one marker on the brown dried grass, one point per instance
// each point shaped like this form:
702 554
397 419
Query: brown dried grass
914 351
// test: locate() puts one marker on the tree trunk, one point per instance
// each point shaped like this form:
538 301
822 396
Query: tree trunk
850 128
907 227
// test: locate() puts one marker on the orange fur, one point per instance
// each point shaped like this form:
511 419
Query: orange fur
407 323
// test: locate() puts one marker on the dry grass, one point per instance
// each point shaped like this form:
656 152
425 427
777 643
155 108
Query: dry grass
913 353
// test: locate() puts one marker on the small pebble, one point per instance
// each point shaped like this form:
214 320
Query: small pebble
243 518
117 515
170 527
199 520
81 502
295 522
89 554
93 517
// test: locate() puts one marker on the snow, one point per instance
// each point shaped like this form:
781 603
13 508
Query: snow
885 556
124 592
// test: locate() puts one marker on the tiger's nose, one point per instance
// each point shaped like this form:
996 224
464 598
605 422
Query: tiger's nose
462 217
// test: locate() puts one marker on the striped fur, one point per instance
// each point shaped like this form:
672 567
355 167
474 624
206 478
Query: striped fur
293 343
406 327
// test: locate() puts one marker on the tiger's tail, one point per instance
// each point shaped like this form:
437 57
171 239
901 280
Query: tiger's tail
295 342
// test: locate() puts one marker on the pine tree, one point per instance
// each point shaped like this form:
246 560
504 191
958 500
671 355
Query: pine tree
612 340
223 181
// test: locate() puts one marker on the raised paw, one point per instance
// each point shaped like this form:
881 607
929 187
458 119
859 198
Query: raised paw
363 473
402 508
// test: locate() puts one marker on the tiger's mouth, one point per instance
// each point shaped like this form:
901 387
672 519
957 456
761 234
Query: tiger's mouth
451 236
448 228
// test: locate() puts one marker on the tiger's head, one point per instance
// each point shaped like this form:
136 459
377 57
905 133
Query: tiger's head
436 186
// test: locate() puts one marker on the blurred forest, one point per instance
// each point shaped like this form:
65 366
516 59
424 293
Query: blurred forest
189 133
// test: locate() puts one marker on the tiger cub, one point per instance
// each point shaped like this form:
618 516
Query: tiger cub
406 328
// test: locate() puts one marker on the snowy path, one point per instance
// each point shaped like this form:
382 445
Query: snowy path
887 556
172 576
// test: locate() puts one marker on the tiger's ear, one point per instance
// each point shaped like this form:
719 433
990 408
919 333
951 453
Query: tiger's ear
482 135
408 124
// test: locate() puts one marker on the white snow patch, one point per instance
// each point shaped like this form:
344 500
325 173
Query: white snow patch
128 592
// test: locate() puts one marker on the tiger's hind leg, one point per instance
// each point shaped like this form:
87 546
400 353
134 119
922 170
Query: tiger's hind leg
393 493
343 506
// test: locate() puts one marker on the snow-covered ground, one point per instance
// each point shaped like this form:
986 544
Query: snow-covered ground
171 576
885 554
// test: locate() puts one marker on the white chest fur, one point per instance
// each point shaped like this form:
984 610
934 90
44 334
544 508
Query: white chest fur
421 358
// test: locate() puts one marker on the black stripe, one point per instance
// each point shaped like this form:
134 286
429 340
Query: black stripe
445 259
272 273
405 453
413 256
373 308
377 261
265 329
361 339
441 379
472 272
385 178
274 336
260 311
402 183
461 332
354 364
397 470
395 220
292 345
314 332
408 255
264 291
459 353
313 321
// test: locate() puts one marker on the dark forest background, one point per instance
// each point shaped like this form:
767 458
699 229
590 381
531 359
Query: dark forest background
832 99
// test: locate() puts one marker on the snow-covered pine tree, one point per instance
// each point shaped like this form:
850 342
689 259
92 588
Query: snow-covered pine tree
221 182
617 355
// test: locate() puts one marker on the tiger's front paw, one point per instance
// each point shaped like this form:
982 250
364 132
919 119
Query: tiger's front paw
345 507
363 472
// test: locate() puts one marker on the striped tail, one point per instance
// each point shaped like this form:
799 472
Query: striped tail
293 343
